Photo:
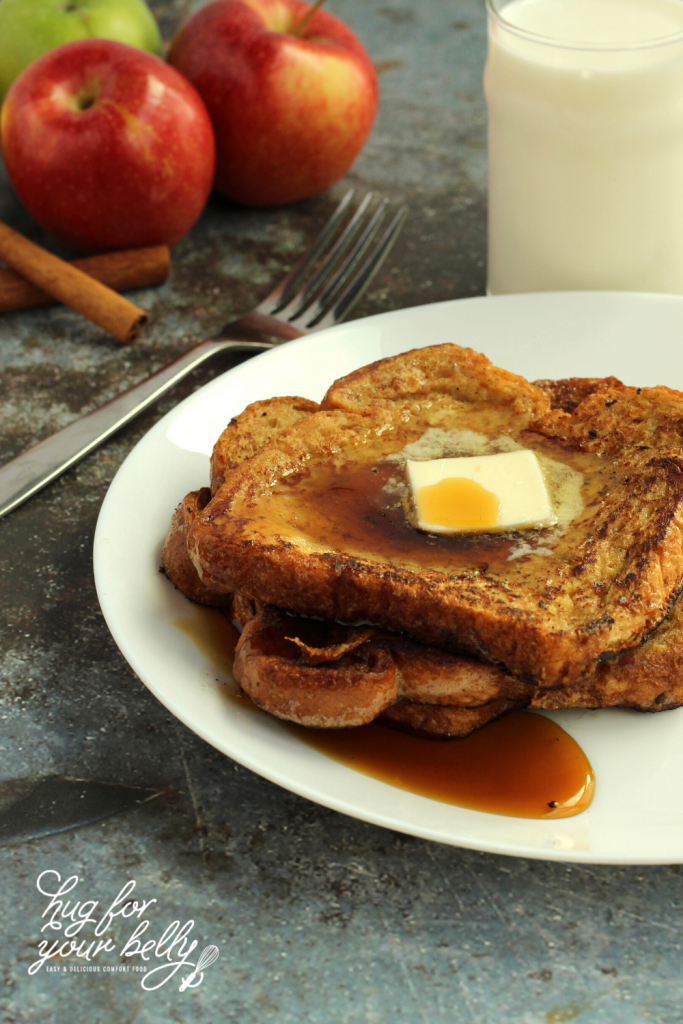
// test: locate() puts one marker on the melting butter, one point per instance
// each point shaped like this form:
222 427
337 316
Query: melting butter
564 482
481 493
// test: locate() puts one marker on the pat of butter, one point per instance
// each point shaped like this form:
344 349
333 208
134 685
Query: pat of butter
484 493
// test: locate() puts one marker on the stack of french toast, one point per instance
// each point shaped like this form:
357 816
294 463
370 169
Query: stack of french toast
349 611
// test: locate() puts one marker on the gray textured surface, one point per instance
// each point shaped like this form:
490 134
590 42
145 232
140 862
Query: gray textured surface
317 917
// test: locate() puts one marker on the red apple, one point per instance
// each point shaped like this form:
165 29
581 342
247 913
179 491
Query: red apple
290 113
107 146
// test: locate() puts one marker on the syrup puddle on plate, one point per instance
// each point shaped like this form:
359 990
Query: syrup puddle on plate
522 765
213 634
215 637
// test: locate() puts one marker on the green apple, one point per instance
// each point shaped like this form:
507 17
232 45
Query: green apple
29 28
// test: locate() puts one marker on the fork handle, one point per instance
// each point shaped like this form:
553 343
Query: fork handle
36 468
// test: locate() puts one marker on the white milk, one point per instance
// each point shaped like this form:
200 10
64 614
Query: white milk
585 145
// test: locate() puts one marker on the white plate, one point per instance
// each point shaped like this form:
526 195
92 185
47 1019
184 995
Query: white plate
637 813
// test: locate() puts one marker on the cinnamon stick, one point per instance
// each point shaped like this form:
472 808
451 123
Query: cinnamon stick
69 285
129 268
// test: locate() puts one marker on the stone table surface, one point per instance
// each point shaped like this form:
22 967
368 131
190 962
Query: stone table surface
317 917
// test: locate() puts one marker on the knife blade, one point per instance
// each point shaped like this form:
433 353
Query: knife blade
29 472
32 808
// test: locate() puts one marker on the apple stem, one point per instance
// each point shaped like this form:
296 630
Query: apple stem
298 30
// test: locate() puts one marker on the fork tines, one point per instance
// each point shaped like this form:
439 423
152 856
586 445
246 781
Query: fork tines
321 290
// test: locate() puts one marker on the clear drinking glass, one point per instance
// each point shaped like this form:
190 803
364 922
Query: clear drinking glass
585 103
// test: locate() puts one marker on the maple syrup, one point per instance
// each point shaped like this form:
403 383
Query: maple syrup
213 634
215 637
521 765
358 503
458 504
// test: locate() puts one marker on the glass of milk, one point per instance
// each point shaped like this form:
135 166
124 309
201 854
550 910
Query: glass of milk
585 103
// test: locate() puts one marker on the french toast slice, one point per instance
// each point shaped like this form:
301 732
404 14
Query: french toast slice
350 690
443 722
253 428
317 521
435 693
647 679
321 674
175 559
244 435
247 432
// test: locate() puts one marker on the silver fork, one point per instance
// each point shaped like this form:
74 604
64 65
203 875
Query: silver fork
319 292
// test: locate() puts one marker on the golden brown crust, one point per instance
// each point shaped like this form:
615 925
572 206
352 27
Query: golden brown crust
649 678
435 693
615 584
253 428
428 377
315 654
242 610
241 439
429 675
612 420
353 690
442 723
568 393
175 559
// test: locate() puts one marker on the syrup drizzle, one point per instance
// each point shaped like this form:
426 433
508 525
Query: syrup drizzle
356 504
459 504
213 634
215 637
522 765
